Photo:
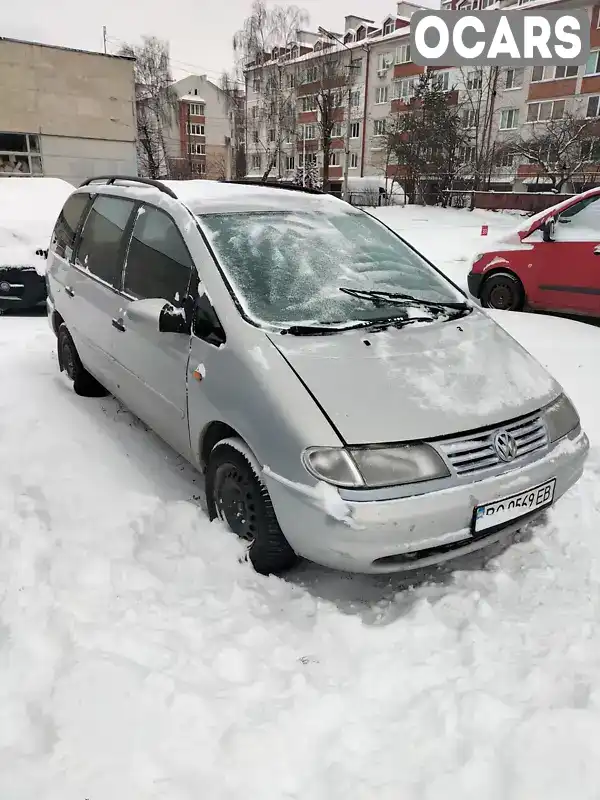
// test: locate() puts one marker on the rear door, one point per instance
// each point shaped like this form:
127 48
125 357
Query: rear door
94 283
567 270
153 366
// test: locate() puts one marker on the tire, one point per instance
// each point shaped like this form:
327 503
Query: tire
84 384
503 291
236 495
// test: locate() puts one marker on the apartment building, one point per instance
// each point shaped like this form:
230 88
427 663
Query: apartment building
199 140
65 113
384 78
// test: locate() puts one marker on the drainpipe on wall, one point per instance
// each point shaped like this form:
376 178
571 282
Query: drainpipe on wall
364 120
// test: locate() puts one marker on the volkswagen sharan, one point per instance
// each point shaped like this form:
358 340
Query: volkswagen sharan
345 401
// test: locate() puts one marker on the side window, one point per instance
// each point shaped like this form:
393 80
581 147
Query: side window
585 214
100 247
65 230
158 263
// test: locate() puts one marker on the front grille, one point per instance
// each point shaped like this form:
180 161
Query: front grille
474 453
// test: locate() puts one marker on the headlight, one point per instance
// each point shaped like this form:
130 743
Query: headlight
561 418
375 466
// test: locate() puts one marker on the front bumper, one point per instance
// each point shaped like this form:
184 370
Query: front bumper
474 280
21 287
378 536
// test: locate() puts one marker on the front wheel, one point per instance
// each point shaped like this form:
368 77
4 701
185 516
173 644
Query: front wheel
503 291
237 496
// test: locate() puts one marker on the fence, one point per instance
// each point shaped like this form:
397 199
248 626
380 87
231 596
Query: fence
372 199
529 202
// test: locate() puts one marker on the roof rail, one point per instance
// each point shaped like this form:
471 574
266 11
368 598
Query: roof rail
110 179
275 185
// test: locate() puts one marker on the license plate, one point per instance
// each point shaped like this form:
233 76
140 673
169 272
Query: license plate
501 512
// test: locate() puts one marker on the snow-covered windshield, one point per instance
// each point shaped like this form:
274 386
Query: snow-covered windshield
288 266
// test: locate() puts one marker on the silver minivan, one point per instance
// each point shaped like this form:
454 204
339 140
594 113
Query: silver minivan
346 402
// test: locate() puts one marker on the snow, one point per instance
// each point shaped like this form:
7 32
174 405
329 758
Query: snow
141 657
29 208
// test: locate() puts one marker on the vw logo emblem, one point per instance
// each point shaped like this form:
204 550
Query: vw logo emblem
505 446
4 287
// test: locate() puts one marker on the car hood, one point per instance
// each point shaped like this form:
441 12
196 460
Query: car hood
420 382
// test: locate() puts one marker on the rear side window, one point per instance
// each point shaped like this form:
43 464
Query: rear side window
101 245
65 230
158 262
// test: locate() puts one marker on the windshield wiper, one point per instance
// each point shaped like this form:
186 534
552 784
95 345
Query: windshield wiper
398 298
372 324
319 330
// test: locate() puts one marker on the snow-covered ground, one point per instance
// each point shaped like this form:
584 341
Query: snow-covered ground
140 660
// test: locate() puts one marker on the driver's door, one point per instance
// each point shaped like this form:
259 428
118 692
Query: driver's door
153 365
568 268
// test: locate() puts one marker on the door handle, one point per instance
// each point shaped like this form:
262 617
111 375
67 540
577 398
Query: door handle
597 250
118 324
69 291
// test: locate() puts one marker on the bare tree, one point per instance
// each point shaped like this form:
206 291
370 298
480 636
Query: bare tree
156 103
327 81
561 148
477 104
235 103
263 47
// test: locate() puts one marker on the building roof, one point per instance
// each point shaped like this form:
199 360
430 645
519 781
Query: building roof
192 98
68 49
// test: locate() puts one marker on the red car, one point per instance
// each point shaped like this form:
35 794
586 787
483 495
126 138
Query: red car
551 262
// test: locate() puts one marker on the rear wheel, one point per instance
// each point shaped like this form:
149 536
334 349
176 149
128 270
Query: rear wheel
237 496
503 291
84 383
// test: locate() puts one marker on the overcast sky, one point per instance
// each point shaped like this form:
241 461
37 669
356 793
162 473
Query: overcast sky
199 31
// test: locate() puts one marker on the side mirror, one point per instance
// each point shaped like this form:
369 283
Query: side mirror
206 324
173 320
548 229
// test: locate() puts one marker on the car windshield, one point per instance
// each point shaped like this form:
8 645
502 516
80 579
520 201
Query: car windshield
290 266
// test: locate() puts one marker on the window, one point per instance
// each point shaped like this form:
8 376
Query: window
256 161
509 119
65 231
100 249
566 72
336 130
197 149
441 81
291 80
592 106
199 168
158 264
254 112
470 118
355 99
584 215
504 158
309 102
389 27
278 279
355 130
196 109
256 85
404 89
379 127
311 158
541 74
289 162
384 61
255 137
334 158
271 134
195 129
353 160
468 154
311 75
540 112
381 95
592 66
590 150
514 78
403 54
474 79
20 154
309 132
356 67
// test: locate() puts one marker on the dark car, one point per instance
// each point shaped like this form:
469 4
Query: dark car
29 208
